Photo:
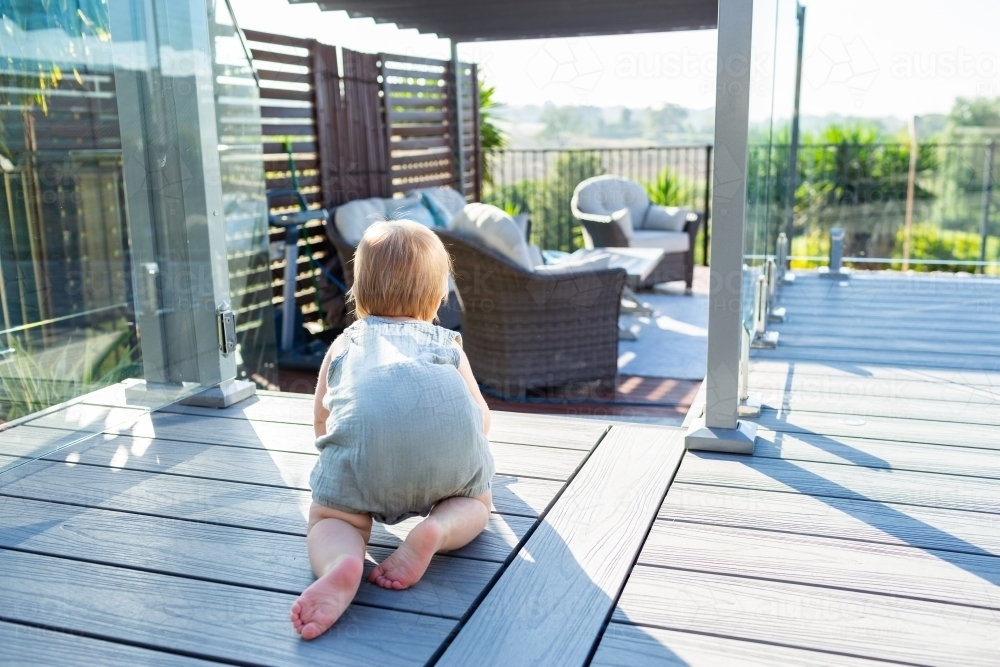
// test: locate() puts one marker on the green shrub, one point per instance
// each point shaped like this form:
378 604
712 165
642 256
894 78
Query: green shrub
669 189
930 242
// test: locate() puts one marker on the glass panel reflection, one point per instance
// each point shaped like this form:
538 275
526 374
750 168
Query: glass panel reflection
65 281
772 82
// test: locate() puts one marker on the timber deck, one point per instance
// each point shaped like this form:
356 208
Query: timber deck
865 530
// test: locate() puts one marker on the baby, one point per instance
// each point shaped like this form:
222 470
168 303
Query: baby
400 425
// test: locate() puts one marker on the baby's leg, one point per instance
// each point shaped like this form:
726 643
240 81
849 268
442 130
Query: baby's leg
453 523
337 553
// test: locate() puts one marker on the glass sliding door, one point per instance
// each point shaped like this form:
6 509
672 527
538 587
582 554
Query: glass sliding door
66 290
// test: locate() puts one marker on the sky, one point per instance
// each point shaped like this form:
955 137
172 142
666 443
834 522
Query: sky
868 58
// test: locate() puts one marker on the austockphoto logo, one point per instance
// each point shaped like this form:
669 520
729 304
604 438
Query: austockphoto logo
682 64
571 62
945 65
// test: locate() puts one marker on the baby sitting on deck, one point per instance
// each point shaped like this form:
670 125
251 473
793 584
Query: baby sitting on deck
401 427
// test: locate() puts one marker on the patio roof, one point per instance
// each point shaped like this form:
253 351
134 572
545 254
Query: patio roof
476 20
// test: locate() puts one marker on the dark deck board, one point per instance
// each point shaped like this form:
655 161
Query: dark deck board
277 468
238 505
216 553
821 370
792 385
861 624
965 412
927 431
865 521
510 427
566 577
960 579
625 645
843 481
173 613
28 646
941 359
885 454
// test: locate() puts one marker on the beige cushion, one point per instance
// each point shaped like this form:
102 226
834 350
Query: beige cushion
604 195
669 242
665 218
535 256
353 218
623 218
494 229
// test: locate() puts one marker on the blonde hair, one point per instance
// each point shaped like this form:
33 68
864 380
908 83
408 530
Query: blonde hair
400 270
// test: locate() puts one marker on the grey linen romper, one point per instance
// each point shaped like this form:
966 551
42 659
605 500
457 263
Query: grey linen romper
404 431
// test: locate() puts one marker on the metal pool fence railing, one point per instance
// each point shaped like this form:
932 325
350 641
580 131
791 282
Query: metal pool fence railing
541 183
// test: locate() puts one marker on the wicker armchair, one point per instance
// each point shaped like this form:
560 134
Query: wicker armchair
523 330
600 231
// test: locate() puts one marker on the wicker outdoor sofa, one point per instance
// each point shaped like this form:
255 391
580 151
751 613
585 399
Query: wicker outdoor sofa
524 329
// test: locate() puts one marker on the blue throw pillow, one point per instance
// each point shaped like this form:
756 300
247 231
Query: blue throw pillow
413 210
442 218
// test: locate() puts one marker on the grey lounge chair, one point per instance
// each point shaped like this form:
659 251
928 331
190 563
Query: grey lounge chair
615 212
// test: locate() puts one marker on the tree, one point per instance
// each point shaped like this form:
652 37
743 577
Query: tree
662 122
491 137
978 112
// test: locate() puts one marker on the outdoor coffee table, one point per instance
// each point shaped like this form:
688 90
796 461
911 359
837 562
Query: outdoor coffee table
639 263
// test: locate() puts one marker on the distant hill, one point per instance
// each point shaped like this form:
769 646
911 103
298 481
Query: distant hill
550 126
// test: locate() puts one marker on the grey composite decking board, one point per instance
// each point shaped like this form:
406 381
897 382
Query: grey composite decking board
279 436
792 331
941 323
250 558
807 393
966 308
85 418
204 618
233 504
283 469
940 576
880 523
27 646
271 436
511 427
924 431
913 384
842 481
943 359
824 619
880 371
907 408
624 645
985 344
567 575
878 453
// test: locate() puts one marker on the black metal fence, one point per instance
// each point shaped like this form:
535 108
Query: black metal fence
541 182
860 187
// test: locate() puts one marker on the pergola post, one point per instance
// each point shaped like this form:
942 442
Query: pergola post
720 429
459 149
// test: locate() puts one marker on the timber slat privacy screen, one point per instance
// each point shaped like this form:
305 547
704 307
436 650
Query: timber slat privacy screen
382 126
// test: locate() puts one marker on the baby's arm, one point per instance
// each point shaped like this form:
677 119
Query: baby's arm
320 413
465 370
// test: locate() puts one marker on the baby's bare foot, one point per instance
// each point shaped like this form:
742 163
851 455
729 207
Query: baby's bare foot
325 600
409 562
